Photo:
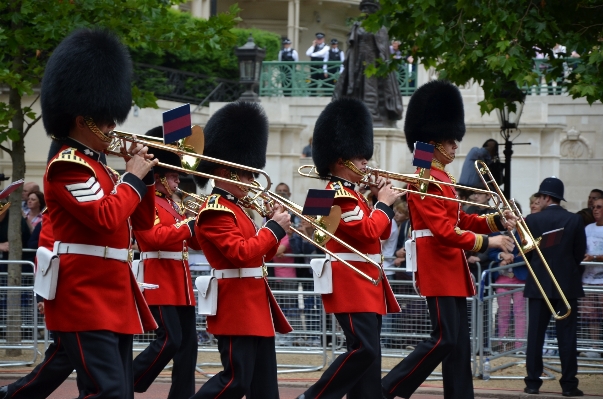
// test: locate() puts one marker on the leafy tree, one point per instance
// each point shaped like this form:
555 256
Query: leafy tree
493 42
31 29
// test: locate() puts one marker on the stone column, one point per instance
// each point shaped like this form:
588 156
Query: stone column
291 21
197 8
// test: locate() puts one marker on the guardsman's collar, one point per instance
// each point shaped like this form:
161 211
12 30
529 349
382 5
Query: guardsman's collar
345 182
225 194
438 165
97 156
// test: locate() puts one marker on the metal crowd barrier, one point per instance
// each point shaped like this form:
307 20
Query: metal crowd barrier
498 327
504 325
18 317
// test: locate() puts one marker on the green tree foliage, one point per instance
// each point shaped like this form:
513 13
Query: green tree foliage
31 29
217 63
494 42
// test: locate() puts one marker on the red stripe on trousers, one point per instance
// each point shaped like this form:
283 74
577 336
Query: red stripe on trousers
162 348
232 367
79 344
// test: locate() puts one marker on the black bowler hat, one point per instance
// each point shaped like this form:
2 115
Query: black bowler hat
334 41
286 41
320 35
552 186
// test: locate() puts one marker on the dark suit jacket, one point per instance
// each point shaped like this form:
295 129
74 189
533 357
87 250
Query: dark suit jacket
564 259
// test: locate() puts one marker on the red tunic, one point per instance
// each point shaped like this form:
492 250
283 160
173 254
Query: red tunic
171 232
441 262
86 206
230 240
362 228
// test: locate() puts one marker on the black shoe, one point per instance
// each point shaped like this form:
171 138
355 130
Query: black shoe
573 392
4 392
531 391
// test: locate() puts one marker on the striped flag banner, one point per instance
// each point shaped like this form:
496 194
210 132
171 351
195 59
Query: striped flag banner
551 238
177 124
422 155
12 187
318 202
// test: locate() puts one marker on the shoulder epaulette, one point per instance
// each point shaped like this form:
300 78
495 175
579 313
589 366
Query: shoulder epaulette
212 204
340 191
69 155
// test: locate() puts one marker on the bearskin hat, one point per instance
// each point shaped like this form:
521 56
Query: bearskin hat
344 130
163 156
238 133
434 113
88 74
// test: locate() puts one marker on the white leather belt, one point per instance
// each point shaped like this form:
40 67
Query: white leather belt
123 255
256 272
352 257
182 255
421 233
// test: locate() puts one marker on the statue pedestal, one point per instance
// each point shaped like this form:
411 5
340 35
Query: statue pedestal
390 151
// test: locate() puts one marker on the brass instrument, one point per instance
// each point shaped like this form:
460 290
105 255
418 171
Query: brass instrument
4 207
526 242
325 227
192 205
190 151
412 179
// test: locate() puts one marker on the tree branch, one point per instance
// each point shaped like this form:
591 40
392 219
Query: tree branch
34 101
522 18
6 149
29 125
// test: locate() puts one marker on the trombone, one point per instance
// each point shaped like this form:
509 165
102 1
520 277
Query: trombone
412 179
190 150
325 227
526 242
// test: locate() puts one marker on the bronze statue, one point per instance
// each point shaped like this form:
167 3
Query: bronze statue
380 94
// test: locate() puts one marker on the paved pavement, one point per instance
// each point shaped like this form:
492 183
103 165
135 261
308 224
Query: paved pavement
290 389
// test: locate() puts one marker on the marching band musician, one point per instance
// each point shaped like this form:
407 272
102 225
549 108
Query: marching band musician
341 147
98 306
164 255
247 313
442 231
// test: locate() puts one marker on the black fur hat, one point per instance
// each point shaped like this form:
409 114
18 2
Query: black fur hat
434 113
88 74
344 130
237 132
163 156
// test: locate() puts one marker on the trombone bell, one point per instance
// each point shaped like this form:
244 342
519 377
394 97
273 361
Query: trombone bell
194 144
329 223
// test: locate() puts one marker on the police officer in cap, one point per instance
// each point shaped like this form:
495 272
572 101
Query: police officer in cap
334 54
317 52
287 53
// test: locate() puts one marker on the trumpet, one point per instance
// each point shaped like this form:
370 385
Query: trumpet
190 150
526 241
325 227
412 179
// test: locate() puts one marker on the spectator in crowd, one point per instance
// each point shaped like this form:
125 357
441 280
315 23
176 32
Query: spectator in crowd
534 203
587 213
310 316
487 153
516 275
4 247
307 151
27 188
473 258
388 249
394 50
288 53
285 280
35 206
564 261
593 276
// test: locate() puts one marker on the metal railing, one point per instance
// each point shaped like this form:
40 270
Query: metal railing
182 86
310 79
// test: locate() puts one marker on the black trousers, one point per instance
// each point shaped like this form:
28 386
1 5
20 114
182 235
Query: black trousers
103 361
176 338
249 370
358 371
46 377
449 344
539 318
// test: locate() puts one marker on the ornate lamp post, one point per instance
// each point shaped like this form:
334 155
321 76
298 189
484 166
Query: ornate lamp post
508 117
250 63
